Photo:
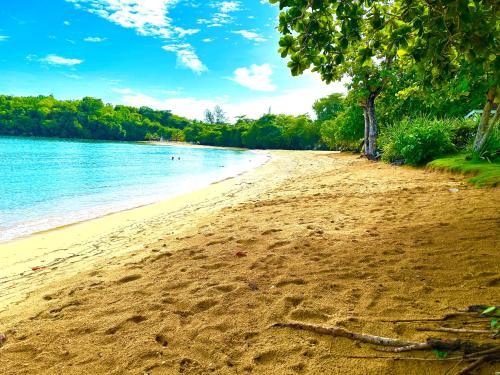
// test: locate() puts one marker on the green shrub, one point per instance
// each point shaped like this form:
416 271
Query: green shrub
344 131
417 141
462 132
491 149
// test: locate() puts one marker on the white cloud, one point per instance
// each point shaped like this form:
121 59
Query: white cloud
293 102
183 32
222 16
73 76
250 35
148 18
257 77
186 56
67 23
122 90
207 40
58 60
94 39
188 107
169 92
4 38
228 6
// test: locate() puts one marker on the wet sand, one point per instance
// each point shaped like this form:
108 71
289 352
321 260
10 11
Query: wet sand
194 286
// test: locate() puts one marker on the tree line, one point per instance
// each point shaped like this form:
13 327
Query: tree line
415 68
90 118
442 49
339 123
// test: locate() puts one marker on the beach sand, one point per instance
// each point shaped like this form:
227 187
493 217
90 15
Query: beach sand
193 285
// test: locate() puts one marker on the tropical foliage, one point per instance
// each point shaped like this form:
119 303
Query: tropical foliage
90 118
444 46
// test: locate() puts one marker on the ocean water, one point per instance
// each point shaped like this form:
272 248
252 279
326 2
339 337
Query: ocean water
47 183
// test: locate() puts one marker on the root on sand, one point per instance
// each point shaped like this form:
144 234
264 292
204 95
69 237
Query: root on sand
476 353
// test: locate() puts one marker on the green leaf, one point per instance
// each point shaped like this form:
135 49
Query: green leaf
402 52
440 354
489 310
367 63
494 324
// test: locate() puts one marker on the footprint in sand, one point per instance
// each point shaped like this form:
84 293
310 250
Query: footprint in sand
204 305
285 282
214 266
494 282
225 288
128 279
187 365
133 319
160 339
266 357
308 315
278 244
269 231
293 300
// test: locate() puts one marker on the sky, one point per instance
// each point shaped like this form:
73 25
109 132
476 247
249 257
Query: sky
181 55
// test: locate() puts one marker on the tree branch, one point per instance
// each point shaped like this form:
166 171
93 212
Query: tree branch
452 330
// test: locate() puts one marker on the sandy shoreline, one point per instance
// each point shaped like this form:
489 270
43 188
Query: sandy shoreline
70 248
194 286
192 145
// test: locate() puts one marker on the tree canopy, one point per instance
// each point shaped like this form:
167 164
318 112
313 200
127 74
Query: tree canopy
372 41
90 118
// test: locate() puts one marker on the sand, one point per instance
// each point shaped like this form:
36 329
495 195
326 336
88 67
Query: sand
193 285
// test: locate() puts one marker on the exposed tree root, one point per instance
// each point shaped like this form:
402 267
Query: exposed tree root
470 309
452 330
443 318
467 370
402 345
408 348
396 358
342 332
480 353
495 350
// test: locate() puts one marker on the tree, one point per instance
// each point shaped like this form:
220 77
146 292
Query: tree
88 118
209 117
263 133
365 38
441 36
345 130
329 107
336 39
219 115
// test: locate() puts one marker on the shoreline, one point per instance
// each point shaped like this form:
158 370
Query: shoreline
192 145
70 213
194 287
28 255
164 200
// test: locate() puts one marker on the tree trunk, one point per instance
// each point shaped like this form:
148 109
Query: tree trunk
367 129
371 150
485 126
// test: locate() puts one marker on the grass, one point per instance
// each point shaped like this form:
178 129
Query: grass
484 173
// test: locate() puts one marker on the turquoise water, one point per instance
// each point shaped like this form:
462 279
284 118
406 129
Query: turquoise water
46 183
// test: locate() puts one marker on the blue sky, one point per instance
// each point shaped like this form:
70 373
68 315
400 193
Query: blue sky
182 55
